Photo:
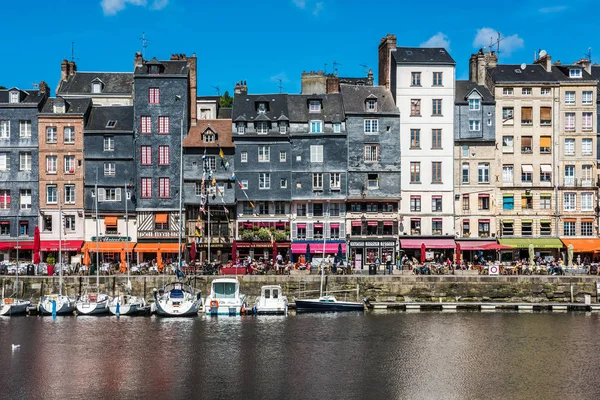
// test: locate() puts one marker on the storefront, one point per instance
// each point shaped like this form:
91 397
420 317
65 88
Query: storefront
315 248
365 252
585 251
71 250
434 248
547 248
219 251
257 250
160 254
8 250
109 251
474 250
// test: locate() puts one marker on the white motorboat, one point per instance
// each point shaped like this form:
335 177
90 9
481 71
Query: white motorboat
126 304
177 300
271 301
225 298
92 302
56 304
11 306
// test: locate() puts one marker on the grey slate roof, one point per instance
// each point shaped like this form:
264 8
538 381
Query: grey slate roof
463 88
422 55
596 75
355 81
170 67
354 97
81 83
244 106
99 117
72 106
332 109
533 73
562 73
224 113
27 96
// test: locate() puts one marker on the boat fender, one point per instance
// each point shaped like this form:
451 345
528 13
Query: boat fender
214 303
243 310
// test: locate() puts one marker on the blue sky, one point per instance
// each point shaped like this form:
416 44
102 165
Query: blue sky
260 41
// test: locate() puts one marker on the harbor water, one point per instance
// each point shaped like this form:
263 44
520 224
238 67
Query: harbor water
428 355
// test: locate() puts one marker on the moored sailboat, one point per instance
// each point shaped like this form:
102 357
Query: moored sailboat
177 300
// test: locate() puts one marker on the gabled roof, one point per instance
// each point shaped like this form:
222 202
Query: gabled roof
81 83
154 61
354 97
72 106
244 106
562 73
463 89
99 117
221 127
332 109
512 73
422 55
26 96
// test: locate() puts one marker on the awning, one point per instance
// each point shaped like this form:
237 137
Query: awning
156 247
334 225
356 223
527 168
475 244
546 168
66 245
388 223
161 218
583 245
429 243
372 223
108 247
110 221
23 245
331 248
542 243
318 225
301 226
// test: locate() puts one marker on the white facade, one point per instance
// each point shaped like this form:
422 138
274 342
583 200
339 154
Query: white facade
90 228
424 152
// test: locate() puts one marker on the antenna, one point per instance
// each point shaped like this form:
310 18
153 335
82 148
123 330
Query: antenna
588 55
144 44
325 71
218 89
496 43
72 51
280 86
365 68
334 67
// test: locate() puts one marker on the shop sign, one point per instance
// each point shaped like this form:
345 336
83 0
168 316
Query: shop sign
111 239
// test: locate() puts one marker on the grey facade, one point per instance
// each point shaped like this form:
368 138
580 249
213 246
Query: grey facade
464 114
19 170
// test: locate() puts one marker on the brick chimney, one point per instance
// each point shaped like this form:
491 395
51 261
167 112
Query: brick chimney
386 46
545 61
192 63
478 64
138 60
585 64
44 89
240 88
333 84
66 69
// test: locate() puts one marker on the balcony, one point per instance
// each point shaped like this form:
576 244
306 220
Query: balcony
577 182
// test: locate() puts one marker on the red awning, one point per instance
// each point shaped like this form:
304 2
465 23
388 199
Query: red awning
23 245
330 248
388 223
318 225
356 223
66 245
334 225
372 223
429 243
475 244
302 226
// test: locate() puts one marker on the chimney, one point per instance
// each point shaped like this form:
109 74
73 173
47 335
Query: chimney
72 68
138 60
44 89
333 84
64 70
545 61
478 64
191 63
386 46
314 82
585 64
240 88
370 77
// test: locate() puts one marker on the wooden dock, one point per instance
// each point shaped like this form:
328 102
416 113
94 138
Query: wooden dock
485 306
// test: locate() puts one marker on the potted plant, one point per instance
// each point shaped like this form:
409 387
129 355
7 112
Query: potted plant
280 235
247 234
264 234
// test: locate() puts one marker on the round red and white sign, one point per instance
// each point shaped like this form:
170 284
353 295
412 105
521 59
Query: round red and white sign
494 270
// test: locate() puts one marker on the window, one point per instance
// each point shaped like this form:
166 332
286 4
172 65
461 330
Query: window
569 121
569 175
465 173
198 189
507 173
96 87
586 175
47 223
508 228
587 228
545 173
508 202
436 107
69 194
4 129
262 107
210 163
109 169
526 91
240 127
337 127
415 226
334 209
507 142
474 125
282 156
526 145
587 200
146 188
372 181
264 180
484 227
163 155
334 180
545 145
316 153
371 105
526 202
14 97
314 106
153 96
415 203
244 184
371 152
436 138
4 162
483 173
436 172
586 146
25 199
51 194
111 194
545 116
586 98
415 108
415 172
545 228
437 78
59 108
436 227
261 127
4 199
264 153
316 126
474 104
415 138
371 126
526 227
507 91
318 209
575 73
109 143
69 164
25 129
526 173
146 124
570 147
25 161
146 155
69 135
484 202
163 125
466 228
317 181
569 97
51 164
586 121
164 188
244 156
569 227
545 201
69 223
526 116
507 114
51 136
301 210
544 91
415 79
489 122
569 202
436 203
283 183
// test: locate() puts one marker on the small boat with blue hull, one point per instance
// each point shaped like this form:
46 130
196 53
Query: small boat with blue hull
126 304
12 306
57 304
93 302
177 300
225 298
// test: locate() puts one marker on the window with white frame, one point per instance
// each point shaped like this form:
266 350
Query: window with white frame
507 142
569 227
569 203
282 156
507 91
4 199
371 152
198 189
14 97
69 223
264 153
587 201
210 163
317 181
586 121
244 184
474 104
334 180
314 106
51 135
261 127
51 194
244 156
240 127
110 169
526 91
544 91
25 199
587 228
586 97
316 126
570 121
25 161
164 188
283 183
371 105
69 135
337 127
586 146
24 129
569 175
316 153
164 155
96 87
4 129
569 97
69 194
507 173
69 164
465 172
483 173
283 127
586 175
373 181
112 194
51 164
574 73
474 125
371 125
4 162
570 147
264 180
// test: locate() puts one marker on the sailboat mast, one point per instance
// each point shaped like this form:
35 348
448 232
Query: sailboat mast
17 248
180 196
97 237
60 228
127 235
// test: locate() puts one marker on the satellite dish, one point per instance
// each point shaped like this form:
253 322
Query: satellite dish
523 66
543 53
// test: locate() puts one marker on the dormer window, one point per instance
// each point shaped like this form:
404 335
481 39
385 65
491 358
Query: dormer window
283 126
14 97
371 105
261 127
208 137
59 108
111 123
153 70
314 106
96 87
241 127
575 73
262 107
474 104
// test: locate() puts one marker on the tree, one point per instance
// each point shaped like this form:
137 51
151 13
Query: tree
226 100
2 87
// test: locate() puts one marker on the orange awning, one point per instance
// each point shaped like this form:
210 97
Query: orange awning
110 221
157 247
583 245
109 247
161 218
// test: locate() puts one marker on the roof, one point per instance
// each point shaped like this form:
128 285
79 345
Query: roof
356 81
244 106
81 83
99 117
596 75
27 96
422 55
72 106
332 109
354 98
222 127
225 113
463 88
512 73
171 67
562 73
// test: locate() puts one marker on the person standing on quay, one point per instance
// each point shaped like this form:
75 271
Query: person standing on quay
388 263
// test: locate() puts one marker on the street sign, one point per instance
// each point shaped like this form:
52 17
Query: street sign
494 270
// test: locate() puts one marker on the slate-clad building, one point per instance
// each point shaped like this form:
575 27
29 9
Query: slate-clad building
19 202
263 173
164 106
372 218
209 189
109 156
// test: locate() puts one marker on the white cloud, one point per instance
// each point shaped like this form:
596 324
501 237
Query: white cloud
318 8
551 10
508 44
437 40
112 7
299 3
159 4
